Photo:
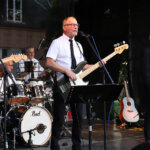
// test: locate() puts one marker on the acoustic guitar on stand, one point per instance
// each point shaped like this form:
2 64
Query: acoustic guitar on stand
128 111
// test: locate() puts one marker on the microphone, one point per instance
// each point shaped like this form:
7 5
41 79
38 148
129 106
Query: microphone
84 34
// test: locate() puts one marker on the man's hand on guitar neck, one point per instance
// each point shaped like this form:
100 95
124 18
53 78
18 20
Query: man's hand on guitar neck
71 74
104 62
90 65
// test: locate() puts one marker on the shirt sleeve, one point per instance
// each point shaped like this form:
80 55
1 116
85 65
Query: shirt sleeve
53 50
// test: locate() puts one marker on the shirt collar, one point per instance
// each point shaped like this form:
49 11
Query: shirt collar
65 36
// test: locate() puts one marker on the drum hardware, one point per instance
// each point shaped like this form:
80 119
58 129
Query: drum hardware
17 95
36 91
30 143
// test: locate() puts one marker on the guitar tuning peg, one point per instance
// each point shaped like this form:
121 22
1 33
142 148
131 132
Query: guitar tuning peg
115 45
123 42
118 44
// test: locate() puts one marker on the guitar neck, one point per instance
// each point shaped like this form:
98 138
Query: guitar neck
109 56
95 66
126 89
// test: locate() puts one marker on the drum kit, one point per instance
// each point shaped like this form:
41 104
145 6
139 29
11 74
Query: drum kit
27 116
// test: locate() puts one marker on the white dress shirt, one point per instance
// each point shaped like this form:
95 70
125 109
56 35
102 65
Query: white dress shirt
60 51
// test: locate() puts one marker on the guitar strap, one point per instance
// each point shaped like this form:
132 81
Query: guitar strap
80 50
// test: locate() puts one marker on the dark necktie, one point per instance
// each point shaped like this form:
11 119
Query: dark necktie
73 64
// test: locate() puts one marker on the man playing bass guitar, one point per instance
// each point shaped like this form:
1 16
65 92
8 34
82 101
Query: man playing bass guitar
63 55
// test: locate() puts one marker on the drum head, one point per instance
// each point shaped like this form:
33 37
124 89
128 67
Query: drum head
39 120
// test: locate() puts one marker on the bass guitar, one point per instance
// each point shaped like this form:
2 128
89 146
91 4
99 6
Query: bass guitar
128 111
64 83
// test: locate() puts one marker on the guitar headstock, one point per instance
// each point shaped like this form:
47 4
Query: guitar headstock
17 58
119 49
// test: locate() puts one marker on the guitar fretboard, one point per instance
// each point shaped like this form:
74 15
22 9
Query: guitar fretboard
95 66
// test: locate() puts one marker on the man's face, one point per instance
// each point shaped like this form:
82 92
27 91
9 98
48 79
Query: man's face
30 53
70 27
9 66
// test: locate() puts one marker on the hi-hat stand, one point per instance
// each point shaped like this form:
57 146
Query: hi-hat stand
87 94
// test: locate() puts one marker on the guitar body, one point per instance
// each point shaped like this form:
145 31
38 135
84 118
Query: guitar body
64 83
128 111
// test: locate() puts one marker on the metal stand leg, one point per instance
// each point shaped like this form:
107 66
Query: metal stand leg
89 117
104 125
14 141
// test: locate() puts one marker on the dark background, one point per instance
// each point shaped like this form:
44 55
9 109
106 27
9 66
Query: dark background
111 22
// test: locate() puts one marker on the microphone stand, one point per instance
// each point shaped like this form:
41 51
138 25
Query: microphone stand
98 56
103 63
30 143
6 73
94 50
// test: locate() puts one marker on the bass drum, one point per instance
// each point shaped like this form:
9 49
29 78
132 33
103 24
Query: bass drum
36 120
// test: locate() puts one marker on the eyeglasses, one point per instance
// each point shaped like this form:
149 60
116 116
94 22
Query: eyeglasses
73 25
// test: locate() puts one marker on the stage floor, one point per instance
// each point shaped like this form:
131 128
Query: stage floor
117 139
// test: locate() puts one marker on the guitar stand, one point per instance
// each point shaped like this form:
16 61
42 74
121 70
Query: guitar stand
87 94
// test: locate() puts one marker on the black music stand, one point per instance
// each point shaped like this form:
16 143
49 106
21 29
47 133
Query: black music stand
87 94
29 68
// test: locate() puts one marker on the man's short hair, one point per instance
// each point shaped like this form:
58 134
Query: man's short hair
29 47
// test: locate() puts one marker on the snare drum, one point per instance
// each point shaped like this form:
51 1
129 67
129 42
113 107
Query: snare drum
17 95
38 120
36 91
